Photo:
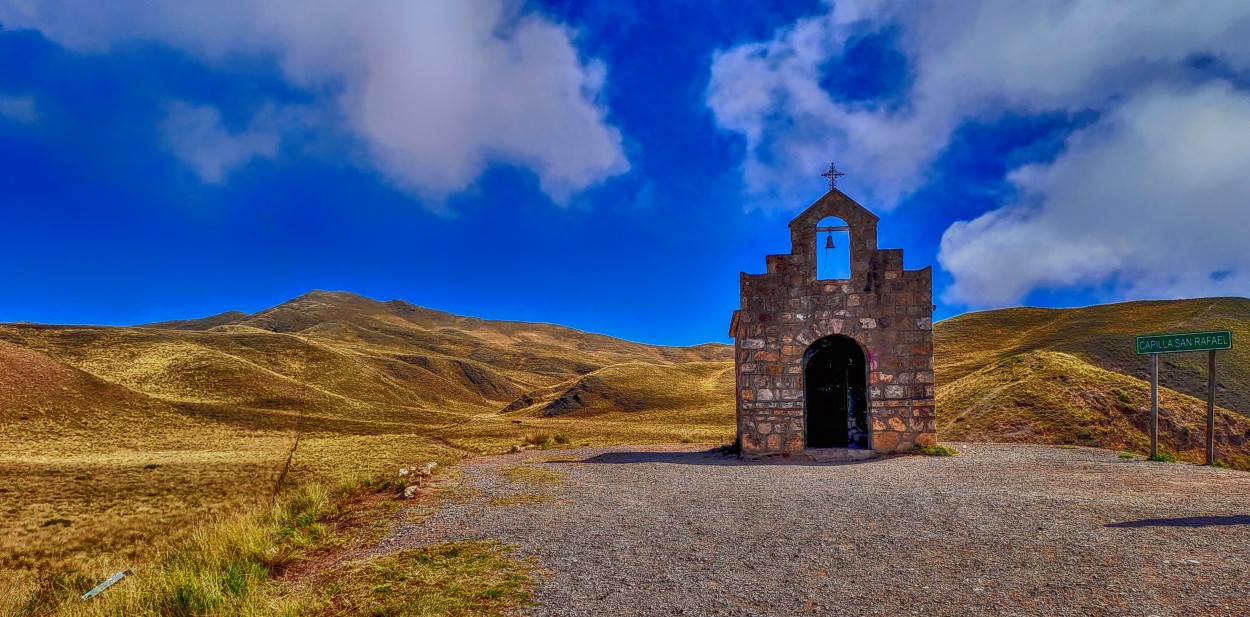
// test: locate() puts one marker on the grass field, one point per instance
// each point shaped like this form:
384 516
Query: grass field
119 447
116 443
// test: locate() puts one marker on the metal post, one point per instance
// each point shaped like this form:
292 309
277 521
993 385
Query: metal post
1211 407
1154 405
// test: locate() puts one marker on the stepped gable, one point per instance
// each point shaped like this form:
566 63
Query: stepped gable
834 363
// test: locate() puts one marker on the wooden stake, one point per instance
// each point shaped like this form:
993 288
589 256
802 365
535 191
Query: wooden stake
1211 407
1154 405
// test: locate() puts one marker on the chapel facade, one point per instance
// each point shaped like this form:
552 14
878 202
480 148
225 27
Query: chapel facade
834 366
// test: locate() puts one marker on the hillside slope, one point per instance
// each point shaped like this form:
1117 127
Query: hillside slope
1103 335
112 438
1071 376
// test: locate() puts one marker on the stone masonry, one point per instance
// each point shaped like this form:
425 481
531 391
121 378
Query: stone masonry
886 309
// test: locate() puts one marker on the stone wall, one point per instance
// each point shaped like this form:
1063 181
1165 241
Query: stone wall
886 309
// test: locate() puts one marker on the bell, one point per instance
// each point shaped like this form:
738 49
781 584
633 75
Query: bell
829 240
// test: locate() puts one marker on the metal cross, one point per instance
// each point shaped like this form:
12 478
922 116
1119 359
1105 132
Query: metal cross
833 174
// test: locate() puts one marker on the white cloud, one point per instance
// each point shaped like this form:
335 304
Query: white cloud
435 90
196 135
19 108
1154 198
1085 220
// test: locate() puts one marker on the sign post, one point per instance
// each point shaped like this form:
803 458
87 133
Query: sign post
1154 405
1211 407
1155 344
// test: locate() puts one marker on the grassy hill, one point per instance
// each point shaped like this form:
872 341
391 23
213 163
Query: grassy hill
115 440
111 438
1071 376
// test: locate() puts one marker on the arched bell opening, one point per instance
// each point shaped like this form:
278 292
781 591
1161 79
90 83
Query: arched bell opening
835 394
833 249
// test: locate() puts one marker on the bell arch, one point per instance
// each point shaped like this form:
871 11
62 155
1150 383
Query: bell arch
833 249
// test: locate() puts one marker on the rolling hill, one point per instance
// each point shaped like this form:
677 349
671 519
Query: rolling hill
1071 376
111 437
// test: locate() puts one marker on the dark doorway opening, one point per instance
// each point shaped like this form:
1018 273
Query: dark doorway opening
835 403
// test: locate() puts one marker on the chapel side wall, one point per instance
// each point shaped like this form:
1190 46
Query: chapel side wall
886 309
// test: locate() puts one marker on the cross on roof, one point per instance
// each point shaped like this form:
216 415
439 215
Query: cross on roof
833 174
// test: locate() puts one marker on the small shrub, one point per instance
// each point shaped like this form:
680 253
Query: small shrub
934 450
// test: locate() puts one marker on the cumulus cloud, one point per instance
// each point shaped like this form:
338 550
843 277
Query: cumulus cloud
195 134
434 90
1153 198
1117 209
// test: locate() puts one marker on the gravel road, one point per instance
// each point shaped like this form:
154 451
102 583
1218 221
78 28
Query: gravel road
996 530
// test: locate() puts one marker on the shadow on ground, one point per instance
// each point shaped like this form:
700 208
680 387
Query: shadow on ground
705 458
1187 521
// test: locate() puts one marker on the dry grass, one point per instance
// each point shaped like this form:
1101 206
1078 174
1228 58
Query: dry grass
453 578
1071 376
127 447
528 474
1057 398
119 445
520 499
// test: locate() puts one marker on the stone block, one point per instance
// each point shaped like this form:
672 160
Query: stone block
885 441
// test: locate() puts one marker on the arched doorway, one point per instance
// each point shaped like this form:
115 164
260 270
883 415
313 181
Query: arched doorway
835 404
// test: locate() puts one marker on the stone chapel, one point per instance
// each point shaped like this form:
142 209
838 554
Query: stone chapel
834 368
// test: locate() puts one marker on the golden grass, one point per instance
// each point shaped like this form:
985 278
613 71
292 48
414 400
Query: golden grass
452 578
118 445
228 568
1056 398
127 447
528 474
520 499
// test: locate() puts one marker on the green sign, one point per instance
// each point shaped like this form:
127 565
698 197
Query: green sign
1186 341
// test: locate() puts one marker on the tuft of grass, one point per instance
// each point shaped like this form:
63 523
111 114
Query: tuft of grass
1162 457
1219 464
562 439
452 578
934 450
218 569
537 438
520 499
527 474
1126 455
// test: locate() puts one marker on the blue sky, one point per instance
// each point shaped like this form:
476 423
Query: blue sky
609 166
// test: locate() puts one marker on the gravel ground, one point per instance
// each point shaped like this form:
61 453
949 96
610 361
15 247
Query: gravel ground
996 530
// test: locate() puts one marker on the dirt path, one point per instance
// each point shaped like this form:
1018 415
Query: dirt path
997 530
